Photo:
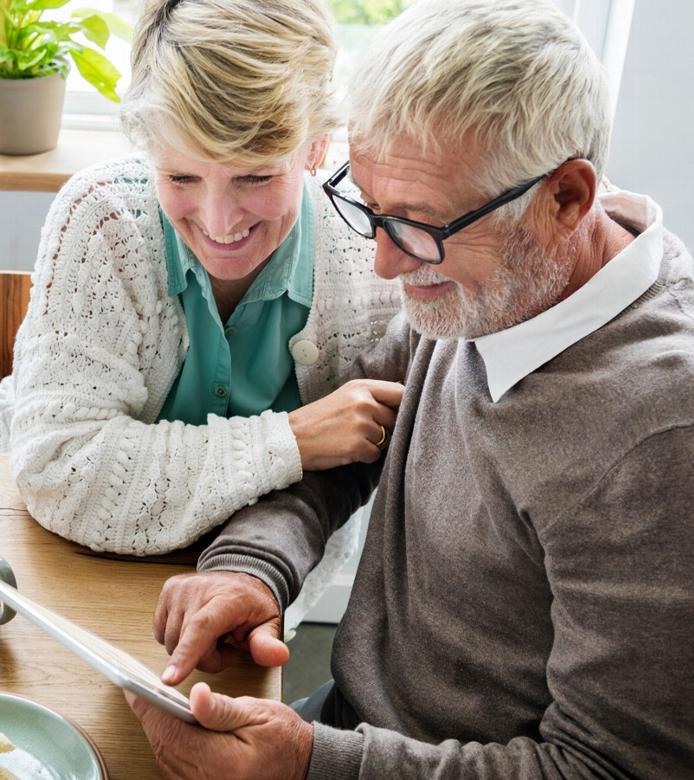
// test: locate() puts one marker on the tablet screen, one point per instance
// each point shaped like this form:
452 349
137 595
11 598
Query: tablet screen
117 665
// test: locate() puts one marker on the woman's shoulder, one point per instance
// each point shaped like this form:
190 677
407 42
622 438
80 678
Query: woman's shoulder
132 170
104 222
333 235
119 187
339 250
344 260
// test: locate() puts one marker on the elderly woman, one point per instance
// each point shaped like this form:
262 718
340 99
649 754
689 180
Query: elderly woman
186 305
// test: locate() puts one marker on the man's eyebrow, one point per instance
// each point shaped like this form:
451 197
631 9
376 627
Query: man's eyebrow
421 208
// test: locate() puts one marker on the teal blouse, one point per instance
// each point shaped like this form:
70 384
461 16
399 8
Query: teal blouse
242 366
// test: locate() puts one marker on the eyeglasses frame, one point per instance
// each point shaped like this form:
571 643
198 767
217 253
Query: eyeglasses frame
439 234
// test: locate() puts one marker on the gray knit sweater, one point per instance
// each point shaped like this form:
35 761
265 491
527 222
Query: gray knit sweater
524 607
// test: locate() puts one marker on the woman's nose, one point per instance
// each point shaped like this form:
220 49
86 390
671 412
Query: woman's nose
222 214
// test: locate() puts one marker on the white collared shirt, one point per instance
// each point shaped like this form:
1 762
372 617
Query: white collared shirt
511 354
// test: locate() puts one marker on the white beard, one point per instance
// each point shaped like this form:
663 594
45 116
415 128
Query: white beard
527 282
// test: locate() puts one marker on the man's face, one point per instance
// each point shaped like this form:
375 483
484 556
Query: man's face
494 275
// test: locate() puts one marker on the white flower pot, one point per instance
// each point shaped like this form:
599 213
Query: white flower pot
30 112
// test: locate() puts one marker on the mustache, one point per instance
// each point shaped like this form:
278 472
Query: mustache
422 276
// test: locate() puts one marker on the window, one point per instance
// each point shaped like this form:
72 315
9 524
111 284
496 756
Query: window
605 23
84 106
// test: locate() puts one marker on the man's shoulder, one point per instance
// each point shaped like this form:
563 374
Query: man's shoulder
640 365
581 414
653 338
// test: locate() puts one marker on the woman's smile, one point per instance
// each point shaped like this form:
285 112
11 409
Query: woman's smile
232 241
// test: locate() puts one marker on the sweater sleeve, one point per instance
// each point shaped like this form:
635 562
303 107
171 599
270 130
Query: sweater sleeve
6 411
282 538
99 318
619 565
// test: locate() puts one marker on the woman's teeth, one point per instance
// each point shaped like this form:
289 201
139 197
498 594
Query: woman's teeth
232 238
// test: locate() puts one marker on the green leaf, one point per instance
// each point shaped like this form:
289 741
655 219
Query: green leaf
33 47
58 64
98 71
27 60
116 25
8 63
44 5
56 31
96 30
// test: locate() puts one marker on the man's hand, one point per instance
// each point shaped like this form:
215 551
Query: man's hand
242 738
206 620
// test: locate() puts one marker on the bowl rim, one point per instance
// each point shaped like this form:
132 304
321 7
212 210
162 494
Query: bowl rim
87 738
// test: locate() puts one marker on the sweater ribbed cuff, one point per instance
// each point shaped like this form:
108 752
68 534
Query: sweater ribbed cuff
336 754
256 567
275 449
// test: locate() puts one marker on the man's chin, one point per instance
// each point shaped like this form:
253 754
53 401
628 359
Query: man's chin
432 327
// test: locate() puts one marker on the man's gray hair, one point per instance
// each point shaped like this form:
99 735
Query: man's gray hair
516 76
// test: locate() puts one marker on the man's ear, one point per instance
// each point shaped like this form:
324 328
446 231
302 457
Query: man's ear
573 188
317 152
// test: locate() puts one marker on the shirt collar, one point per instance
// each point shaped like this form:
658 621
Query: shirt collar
512 354
290 269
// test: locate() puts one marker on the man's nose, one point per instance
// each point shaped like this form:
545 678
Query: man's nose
390 260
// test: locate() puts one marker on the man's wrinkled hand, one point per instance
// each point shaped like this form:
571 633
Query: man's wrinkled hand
209 619
239 738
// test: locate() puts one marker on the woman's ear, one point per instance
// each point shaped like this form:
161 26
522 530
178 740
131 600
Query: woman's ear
317 152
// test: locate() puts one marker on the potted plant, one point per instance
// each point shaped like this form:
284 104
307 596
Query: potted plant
35 57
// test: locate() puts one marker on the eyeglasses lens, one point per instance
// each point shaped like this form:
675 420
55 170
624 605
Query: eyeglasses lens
354 217
415 241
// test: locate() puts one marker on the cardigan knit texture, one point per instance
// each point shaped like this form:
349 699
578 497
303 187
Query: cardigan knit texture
97 354
524 605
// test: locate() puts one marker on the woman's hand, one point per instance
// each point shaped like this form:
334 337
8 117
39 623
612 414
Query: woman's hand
345 426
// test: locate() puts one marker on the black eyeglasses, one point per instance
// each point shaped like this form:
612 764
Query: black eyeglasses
416 239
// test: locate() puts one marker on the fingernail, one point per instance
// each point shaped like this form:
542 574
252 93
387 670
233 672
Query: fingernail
169 673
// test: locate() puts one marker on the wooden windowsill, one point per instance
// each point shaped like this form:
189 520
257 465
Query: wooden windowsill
47 172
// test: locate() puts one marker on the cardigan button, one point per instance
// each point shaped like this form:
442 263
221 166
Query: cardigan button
305 352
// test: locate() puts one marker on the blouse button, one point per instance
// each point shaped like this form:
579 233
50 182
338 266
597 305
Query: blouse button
220 391
305 352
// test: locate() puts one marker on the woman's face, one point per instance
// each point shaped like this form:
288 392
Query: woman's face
232 217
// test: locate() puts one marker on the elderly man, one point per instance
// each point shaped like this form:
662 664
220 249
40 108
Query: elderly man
524 605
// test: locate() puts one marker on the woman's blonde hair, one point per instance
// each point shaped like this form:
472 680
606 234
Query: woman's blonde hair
514 76
242 80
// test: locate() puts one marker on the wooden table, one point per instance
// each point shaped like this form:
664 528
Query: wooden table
48 171
112 598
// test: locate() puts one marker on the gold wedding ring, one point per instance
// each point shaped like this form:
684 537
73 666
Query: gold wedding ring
384 436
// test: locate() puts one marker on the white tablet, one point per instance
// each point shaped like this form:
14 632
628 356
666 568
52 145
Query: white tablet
119 667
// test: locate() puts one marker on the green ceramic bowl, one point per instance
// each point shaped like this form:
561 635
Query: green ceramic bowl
48 745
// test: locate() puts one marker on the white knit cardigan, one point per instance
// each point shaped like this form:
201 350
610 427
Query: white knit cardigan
98 352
